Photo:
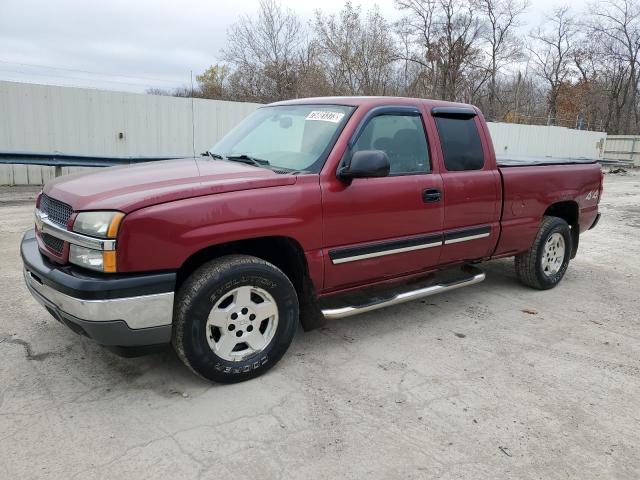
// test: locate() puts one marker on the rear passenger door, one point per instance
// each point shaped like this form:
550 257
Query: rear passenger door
471 186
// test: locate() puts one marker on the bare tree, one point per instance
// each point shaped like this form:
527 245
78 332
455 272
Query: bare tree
184 91
458 44
502 19
447 38
615 85
551 55
418 33
265 51
358 49
615 25
590 93
460 50
213 82
158 91
313 78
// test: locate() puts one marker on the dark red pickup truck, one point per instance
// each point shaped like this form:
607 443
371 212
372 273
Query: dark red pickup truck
308 210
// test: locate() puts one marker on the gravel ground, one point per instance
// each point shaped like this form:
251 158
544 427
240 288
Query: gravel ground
492 381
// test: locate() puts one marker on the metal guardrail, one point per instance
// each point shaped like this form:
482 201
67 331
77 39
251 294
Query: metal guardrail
616 162
57 159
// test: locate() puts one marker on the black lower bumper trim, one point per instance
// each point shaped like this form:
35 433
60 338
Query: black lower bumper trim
113 333
595 222
130 352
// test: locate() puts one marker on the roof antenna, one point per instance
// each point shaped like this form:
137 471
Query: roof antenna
193 124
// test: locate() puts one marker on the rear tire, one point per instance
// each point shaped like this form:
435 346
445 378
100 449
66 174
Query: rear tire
234 318
545 263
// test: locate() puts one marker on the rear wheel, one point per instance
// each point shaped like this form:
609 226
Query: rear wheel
545 263
234 318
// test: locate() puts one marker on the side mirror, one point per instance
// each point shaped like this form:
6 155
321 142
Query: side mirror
366 164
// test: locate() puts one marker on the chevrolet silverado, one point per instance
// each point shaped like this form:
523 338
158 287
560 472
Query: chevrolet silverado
308 210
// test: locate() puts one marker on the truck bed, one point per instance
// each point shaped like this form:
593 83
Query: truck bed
521 161
528 191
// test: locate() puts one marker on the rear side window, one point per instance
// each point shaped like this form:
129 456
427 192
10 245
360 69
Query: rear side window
461 143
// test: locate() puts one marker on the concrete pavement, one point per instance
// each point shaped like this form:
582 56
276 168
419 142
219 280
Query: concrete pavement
493 381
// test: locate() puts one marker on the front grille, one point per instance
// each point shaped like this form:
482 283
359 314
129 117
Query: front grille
57 211
55 244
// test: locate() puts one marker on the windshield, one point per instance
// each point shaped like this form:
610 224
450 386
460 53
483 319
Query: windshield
293 137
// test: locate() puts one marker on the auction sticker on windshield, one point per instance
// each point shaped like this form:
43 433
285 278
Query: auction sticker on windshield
333 117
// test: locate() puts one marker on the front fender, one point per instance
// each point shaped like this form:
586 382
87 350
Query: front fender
162 237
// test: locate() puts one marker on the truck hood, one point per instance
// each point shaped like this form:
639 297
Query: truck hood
130 188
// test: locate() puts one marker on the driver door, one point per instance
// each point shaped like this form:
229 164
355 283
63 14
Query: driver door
380 228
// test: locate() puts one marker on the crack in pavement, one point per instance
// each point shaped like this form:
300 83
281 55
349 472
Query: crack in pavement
38 357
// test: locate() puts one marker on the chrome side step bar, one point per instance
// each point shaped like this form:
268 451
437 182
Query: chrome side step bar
477 276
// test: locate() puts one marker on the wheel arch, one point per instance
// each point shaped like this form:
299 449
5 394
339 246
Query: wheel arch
284 252
569 211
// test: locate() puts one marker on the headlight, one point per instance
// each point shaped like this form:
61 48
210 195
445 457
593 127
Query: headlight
102 261
98 224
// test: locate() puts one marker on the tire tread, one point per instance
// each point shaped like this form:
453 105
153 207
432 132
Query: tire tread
526 263
191 288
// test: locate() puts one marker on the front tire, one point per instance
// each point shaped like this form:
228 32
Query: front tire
545 263
234 318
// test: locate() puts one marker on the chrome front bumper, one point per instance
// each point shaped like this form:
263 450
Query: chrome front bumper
120 310
137 312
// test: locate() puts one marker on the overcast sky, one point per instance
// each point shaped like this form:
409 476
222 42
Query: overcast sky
137 44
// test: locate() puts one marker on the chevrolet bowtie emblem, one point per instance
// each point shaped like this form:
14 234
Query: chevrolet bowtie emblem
39 219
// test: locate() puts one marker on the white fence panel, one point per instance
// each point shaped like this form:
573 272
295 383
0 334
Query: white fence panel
623 147
43 118
545 141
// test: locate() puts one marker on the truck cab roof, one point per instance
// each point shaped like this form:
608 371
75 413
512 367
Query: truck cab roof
370 102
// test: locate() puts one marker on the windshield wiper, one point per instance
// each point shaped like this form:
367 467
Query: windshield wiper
243 158
258 162
215 156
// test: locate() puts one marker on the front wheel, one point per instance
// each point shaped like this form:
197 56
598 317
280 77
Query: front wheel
545 263
234 318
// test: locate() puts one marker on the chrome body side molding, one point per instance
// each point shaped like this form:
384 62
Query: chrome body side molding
386 252
466 239
391 247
